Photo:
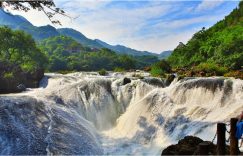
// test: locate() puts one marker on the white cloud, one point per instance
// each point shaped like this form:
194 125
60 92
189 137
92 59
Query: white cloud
159 44
208 4
37 18
116 24
142 27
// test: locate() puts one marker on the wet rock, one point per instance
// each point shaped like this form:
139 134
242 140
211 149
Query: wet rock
169 79
186 146
11 76
126 81
211 84
189 145
21 87
155 82
212 148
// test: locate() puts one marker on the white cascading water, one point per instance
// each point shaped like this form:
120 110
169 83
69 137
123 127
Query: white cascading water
83 113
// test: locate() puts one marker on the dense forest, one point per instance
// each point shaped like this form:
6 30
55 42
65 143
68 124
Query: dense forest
62 53
23 61
66 54
19 49
219 48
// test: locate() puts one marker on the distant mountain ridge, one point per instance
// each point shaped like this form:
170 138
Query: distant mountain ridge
124 50
79 37
165 54
44 32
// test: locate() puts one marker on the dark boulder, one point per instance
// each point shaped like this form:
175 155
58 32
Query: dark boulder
186 146
155 82
212 148
13 79
190 140
21 87
169 79
189 145
126 81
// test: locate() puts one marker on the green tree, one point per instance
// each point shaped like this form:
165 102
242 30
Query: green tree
20 49
221 44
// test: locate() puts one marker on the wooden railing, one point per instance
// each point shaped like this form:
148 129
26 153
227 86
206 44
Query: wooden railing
221 140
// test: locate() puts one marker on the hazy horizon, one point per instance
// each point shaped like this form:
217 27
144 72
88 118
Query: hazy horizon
153 26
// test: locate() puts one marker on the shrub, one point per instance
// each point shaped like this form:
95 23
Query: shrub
8 75
28 67
235 74
211 68
102 72
160 68
118 69
157 72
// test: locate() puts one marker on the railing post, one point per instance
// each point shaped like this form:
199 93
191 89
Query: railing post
234 149
204 148
221 149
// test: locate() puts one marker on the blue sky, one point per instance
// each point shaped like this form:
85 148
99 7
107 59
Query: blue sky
151 25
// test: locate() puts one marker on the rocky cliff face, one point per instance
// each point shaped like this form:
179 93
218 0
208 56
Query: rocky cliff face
14 79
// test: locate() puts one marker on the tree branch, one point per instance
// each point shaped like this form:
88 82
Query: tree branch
40 5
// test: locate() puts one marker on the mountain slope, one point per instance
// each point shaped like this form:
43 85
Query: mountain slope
12 20
79 37
164 54
43 32
66 54
219 46
125 50
20 23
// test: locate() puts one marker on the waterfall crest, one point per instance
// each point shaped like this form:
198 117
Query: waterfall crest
84 113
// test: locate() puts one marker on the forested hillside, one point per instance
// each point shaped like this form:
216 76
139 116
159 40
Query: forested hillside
18 48
43 32
21 61
66 54
219 47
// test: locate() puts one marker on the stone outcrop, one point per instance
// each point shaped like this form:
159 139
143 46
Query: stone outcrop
126 81
13 79
189 145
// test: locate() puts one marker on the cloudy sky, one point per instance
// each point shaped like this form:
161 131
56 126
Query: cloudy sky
150 25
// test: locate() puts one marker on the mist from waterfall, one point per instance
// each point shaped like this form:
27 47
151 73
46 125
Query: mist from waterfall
84 113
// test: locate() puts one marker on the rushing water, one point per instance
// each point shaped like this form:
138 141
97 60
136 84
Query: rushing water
83 113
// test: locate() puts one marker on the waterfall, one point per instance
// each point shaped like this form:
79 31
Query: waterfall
84 113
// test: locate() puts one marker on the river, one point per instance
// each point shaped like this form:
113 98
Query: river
84 113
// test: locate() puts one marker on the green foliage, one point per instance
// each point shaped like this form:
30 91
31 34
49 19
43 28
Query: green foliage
146 60
119 69
67 54
20 49
8 75
221 44
28 66
160 68
235 74
103 72
211 68
157 72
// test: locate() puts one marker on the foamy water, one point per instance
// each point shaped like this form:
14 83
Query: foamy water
84 113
